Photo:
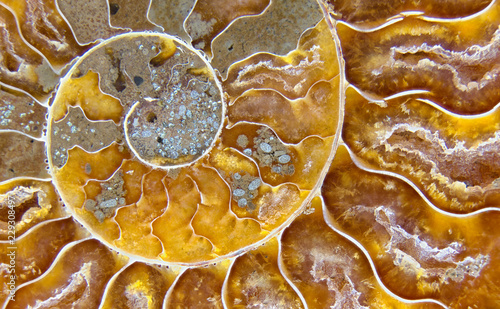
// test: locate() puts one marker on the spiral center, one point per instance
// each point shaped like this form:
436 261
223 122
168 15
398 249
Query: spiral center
180 125
180 122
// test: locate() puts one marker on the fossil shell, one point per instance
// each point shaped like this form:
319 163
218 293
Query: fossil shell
249 154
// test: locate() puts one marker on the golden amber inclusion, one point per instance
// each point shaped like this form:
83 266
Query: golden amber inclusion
249 154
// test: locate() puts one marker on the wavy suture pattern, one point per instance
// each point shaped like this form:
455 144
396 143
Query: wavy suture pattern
38 202
245 203
32 262
209 18
275 31
249 154
329 270
166 14
456 62
138 286
371 14
415 254
22 66
89 20
454 160
45 29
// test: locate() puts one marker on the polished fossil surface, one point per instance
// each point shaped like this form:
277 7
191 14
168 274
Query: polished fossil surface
249 154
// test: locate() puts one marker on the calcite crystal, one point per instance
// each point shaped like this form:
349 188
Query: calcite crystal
249 154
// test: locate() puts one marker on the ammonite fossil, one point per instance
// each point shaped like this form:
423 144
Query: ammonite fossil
249 154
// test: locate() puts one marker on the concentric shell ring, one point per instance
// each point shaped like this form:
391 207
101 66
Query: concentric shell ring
145 158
